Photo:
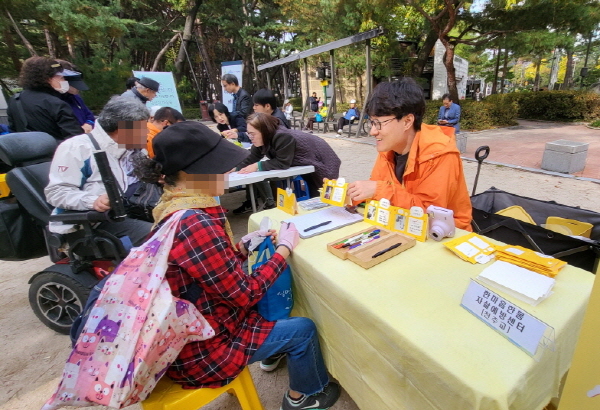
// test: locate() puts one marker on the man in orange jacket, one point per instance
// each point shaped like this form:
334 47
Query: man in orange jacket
418 164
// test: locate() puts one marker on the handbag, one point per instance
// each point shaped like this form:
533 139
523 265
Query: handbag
278 301
141 203
134 331
318 118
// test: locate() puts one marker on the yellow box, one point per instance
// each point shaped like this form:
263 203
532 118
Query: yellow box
4 189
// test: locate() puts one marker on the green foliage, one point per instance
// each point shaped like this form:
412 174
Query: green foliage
187 92
477 115
296 103
595 124
191 112
553 105
104 76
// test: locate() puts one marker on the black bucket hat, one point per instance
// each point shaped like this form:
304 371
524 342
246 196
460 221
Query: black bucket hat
194 148
149 83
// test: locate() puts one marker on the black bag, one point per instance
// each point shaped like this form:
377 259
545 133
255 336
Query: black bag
577 252
140 204
20 237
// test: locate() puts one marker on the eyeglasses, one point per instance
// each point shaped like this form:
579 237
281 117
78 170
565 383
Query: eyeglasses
378 124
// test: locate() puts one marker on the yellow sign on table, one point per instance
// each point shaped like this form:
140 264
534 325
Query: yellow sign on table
582 388
411 222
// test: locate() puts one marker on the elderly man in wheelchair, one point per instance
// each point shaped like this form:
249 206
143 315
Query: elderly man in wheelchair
88 232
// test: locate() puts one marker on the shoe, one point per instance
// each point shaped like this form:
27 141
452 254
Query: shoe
244 208
271 363
269 205
318 401
340 131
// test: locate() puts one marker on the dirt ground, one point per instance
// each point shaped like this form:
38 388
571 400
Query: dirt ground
32 356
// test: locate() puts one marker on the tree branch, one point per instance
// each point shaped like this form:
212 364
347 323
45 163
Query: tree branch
164 50
25 41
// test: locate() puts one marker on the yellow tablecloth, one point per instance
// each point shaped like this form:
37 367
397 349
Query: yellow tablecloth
396 337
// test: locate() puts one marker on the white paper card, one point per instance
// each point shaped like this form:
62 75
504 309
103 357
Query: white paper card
521 283
521 328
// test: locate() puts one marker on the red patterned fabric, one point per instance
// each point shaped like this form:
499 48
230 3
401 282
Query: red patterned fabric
204 268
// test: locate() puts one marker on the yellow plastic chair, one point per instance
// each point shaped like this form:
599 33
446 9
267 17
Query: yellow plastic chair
168 395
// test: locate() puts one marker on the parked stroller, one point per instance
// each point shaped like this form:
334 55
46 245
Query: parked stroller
58 293
575 250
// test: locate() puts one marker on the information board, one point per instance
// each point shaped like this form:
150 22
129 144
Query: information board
167 94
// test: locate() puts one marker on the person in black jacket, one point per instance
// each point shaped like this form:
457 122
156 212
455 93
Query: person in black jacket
266 103
284 149
230 126
242 102
39 107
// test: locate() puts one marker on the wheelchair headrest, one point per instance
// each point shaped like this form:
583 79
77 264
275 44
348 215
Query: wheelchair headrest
22 148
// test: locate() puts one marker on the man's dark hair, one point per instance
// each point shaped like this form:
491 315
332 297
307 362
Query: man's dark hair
130 83
264 97
398 98
220 107
446 97
230 79
169 114
36 71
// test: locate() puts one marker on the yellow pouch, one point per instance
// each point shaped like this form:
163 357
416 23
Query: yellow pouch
573 226
471 248
517 212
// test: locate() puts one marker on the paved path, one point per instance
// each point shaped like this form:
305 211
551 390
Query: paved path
522 146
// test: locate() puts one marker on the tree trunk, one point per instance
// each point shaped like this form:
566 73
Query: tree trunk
568 81
163 51
211 70
496 69
194 5
424 53
504 70
25 41
51 50
12 49
70 46
450 70
536 83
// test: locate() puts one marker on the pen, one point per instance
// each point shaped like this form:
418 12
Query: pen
310 228
356 245
394 246
362 238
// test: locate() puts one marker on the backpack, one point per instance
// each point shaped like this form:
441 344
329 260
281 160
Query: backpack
134 330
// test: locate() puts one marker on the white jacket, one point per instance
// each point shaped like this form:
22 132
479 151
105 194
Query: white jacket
75 181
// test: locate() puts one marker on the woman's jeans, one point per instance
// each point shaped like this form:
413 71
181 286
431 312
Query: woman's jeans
297 337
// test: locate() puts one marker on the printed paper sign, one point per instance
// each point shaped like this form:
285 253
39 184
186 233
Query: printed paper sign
410 222
514 323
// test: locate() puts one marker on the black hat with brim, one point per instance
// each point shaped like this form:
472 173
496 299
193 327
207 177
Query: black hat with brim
194 148
77 82
149 83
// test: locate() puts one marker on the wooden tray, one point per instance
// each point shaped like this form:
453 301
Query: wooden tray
363 255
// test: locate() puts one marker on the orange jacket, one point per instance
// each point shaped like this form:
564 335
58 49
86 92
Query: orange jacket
433 176
152 131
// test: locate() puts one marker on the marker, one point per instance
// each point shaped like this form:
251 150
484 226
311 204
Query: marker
386 250
363 237
317 226
356 245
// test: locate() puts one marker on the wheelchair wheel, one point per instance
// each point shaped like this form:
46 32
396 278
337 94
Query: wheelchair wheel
57 300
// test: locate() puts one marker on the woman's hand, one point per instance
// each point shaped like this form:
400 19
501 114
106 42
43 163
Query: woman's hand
251 241
361 190
231 134
288 238
250 168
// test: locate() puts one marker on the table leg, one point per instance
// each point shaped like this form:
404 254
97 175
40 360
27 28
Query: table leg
252 198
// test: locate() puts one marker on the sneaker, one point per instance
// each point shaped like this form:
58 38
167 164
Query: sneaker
340 131
269 205
244 208
318 401
271 363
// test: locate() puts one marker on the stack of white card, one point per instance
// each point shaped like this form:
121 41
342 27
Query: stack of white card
521 283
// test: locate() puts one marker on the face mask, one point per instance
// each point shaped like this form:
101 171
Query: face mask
64 87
